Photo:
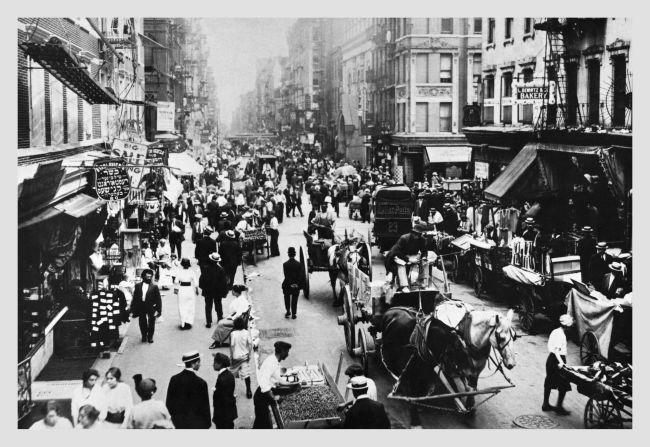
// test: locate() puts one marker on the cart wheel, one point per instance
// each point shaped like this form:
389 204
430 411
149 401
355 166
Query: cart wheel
477 281
305 272
348 327
370 239
452 272
589 348
369 250
602 414
364 348
526 311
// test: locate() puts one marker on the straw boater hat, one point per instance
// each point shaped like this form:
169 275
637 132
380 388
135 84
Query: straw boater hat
223 214
566 320
214 257
189 357
601 245
616 267
587 229
358 383
230 234
530 220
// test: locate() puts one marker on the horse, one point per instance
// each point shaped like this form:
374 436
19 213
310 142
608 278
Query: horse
351 251
462 351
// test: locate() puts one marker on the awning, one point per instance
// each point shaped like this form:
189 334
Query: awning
448 154
149 41
63 65
515 170
568 148
184 163
79 205
174 188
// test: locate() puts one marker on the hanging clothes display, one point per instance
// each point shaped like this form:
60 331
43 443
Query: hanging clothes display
105 318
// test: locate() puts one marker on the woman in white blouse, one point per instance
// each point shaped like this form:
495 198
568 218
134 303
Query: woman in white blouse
556 359
89 393
117 398
238 306
273 230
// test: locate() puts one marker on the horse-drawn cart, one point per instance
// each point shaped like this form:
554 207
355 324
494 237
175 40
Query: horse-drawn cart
604 327
424 339
252 241
609 389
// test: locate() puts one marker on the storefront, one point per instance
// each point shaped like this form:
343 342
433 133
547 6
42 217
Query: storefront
452 162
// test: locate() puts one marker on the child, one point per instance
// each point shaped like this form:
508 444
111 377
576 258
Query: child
241 345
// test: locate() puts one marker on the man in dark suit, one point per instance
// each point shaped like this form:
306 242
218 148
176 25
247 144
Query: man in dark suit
214 286
180 211
613 284
586 249
176 235
204 247
223 399
146 305
365 412
293 282
188 401
598 264
230 252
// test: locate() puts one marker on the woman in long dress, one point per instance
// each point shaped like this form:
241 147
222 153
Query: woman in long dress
239 307
187 287
117 398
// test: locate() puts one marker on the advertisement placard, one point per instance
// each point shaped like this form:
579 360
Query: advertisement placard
165 116
112 180
134 154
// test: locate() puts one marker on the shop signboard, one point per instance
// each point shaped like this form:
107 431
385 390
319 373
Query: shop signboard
135 155
157 155
535 93
165 116
481 170
112 180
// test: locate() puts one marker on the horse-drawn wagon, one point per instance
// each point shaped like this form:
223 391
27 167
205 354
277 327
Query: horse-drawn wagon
254 241
433 346
334 259
393 207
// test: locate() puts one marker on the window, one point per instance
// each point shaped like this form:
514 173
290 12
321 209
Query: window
619 100
478 26
506 115
506 85
526 110
508 31
422 117
447 26
405 75
488 114
445 68
571 93
528 26
477 68
403 117
421 68
445 117
490 38
593 73
489 87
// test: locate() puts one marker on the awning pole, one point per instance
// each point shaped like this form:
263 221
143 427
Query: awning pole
106 42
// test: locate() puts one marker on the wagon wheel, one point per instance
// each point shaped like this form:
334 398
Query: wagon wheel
452 271
526 311
365 347
370 241
589 348
348 326
369 251
477 281
305 272
602 414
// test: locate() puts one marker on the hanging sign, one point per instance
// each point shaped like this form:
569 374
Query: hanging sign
134 154
481 170
157 155
152 206
112 180
165 116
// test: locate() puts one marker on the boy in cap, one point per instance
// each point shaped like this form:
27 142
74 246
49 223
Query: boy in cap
268 377
365 412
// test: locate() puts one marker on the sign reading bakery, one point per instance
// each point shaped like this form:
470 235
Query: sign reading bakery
112 180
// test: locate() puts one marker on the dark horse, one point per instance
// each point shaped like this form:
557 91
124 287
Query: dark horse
427 342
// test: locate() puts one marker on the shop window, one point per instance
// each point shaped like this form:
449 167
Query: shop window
478 25
447 26
445 68
422 117
488 114
445 117
506 115
528 25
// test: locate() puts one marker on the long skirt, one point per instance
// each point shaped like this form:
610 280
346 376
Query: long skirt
241 367
554 380
186 304
223 330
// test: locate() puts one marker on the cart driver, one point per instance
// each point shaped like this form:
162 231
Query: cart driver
407 245
324 222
